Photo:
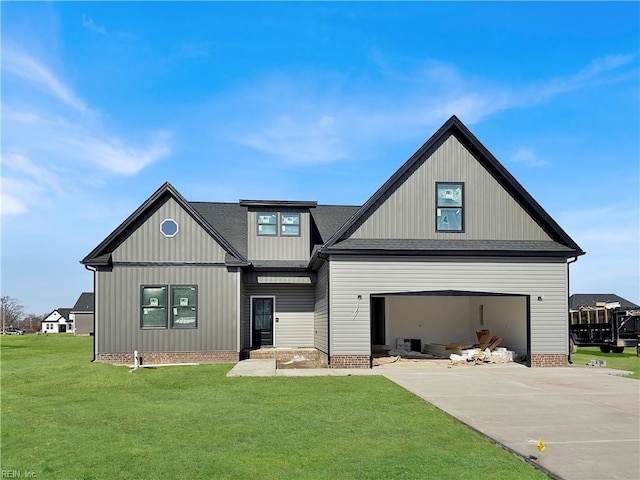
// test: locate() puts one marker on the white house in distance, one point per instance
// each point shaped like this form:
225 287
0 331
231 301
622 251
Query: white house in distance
58 321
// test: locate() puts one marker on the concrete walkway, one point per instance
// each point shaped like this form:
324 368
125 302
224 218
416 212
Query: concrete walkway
588 418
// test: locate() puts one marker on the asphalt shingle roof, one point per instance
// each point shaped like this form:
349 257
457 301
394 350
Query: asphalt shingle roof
229 219
84 303
329 218
450 245
578 300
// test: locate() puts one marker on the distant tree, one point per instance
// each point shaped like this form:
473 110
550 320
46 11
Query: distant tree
11 310
32 323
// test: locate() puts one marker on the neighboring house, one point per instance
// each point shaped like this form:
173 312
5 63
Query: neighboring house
82 314
450 244
58 321
578 300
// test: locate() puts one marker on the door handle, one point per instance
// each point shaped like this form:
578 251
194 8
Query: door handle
277 319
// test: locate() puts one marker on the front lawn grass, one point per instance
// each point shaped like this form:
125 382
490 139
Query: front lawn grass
627 360
64 417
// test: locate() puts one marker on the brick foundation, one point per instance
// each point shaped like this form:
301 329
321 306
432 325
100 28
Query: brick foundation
549 360
286 354
151 358
350 361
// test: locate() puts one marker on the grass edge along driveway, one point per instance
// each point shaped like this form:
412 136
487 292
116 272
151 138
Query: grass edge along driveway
627 360
64 417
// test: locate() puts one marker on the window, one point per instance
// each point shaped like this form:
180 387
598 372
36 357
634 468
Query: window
169 227
154 306
290 224
184 306
156 303
268 224
449 207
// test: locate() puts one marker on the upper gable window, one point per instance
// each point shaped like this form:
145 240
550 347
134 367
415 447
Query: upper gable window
169 227
268 224
449 207
290 224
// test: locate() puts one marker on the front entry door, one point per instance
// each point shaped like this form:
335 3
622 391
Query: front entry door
262 321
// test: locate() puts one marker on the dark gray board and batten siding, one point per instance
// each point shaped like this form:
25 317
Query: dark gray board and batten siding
192 257
408 209
120 329
265 247
191 244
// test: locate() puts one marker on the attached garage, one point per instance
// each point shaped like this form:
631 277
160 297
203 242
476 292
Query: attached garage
451 316
439 299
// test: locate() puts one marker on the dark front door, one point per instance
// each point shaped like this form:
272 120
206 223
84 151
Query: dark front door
262 322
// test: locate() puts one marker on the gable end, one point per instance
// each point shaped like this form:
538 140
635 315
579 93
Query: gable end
101 255
526 210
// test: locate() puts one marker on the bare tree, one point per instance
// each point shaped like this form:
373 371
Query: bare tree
11 310
32 323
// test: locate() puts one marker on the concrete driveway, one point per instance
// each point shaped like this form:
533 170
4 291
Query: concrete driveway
588 418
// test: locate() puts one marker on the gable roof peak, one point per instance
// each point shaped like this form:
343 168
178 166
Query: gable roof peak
96 256
454 126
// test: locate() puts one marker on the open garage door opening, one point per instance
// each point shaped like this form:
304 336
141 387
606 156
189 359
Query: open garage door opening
431 321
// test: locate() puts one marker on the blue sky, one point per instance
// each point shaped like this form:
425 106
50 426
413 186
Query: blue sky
104 102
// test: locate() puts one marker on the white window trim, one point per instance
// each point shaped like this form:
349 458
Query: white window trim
169 220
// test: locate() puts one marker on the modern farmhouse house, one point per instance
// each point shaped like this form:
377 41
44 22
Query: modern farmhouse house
58 321
450 244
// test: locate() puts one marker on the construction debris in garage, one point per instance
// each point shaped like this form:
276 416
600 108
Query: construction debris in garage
485 350
477 355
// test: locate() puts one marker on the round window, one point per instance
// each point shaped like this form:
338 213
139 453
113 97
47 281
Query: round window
169 227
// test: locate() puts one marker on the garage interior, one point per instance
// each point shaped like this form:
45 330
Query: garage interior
443 318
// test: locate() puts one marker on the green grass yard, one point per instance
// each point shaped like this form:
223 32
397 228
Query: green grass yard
64 417
627 360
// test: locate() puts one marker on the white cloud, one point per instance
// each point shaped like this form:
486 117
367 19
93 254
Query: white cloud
604 65
115 157
21 163
18 195
527 156
312 141
25 183
597 72
39 134
90 24
287 110
20 64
